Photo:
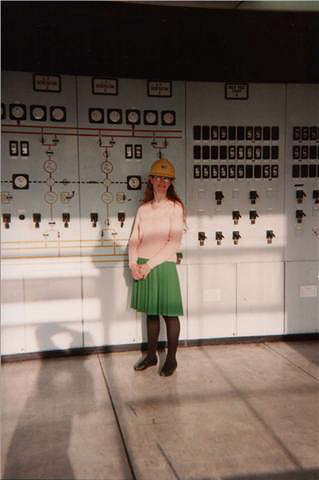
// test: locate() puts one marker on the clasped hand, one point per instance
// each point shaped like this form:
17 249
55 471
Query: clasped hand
140 272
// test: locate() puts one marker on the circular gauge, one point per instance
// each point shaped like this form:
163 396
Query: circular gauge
58 114
134 182
50 197
96 115
50 182
20 181
107 182
132 117
50 166
107 197
150 117
38 112
168 118
106 167
17 112
114 116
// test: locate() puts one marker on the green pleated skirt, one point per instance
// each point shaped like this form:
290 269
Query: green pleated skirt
159 293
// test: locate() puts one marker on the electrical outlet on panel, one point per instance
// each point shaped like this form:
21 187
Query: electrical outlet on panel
235 193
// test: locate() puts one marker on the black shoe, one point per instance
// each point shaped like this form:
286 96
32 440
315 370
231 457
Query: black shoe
144 363
168 371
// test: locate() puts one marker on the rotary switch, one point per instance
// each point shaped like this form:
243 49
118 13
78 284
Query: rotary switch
36 219
6 217
201 237
219 197
219 236
253 195
94 219
270 235
236 216
253 215
121 218
66 219
299 215
179 257
300 194
315 196
236 237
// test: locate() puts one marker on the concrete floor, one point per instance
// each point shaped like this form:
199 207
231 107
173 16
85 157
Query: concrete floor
230 412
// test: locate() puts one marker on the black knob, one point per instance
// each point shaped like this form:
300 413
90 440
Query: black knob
37 219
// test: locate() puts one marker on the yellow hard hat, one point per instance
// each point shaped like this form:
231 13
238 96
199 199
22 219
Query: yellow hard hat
163 168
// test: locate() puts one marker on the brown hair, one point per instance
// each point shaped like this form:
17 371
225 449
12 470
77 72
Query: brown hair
170 194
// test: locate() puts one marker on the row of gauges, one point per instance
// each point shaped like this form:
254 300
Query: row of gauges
305 133
305 171
133 116
303 152
231 152
206 132
18 112
235 171
38 113
20 181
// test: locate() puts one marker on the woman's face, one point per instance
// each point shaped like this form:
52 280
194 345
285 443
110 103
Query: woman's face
160 184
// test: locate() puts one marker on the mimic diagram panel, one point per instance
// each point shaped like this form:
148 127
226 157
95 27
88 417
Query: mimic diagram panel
76 154
40 188
235 172
128 128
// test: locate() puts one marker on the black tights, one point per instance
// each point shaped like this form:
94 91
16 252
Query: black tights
153 329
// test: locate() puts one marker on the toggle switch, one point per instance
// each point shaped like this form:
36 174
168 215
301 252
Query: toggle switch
299 215
253 215
94 219
121 218
66 219
219 197
201 237
179 257
37 219
236 216
219 236
6 217
299 195
315 196
253 195
236 237
270 235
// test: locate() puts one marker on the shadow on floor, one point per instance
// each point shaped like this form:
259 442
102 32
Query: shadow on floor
39 447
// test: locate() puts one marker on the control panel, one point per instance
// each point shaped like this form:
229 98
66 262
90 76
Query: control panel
235 174
76 154
302 191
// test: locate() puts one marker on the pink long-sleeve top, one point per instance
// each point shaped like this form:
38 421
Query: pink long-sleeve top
157 233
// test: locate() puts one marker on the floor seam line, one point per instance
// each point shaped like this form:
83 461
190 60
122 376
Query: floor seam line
291 362
117 420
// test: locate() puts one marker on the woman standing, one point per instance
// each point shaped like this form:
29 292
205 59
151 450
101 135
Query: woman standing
155 239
